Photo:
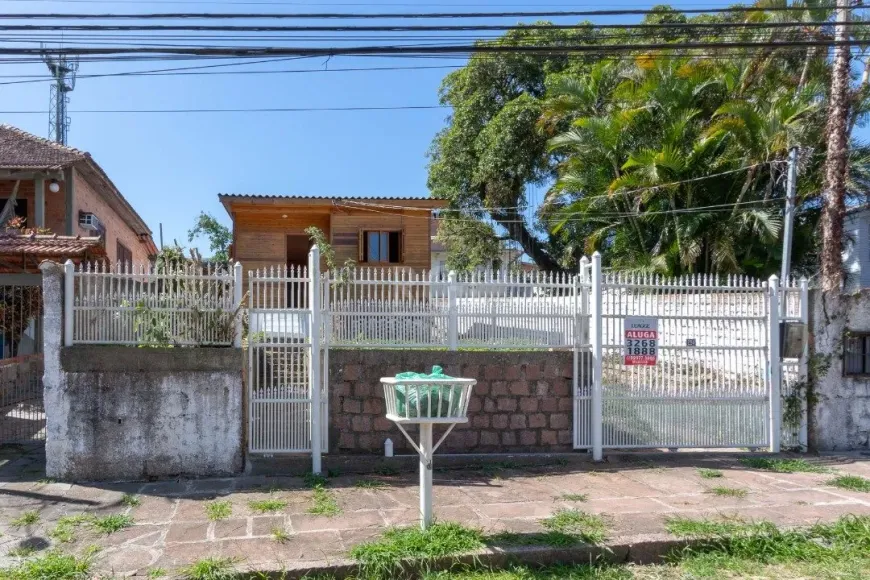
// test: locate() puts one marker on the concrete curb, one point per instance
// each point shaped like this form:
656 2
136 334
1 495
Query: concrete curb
641 549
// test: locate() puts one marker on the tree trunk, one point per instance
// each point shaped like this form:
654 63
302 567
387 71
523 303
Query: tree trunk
513 222
834 197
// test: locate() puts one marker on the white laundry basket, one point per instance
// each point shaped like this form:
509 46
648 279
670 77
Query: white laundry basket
427 400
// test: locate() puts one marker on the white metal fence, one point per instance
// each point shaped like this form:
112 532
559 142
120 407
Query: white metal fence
284 370
180 305
717 381
400 308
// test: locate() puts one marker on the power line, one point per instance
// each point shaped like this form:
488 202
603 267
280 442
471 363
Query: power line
415 28
251 110
240 51
403 15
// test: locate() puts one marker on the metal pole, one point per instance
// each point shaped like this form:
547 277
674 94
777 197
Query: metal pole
452 314
596 340
425 475
774 364
314 358
68 289
237 303
788 227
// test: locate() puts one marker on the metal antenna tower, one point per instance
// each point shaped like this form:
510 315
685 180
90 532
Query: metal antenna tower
63 70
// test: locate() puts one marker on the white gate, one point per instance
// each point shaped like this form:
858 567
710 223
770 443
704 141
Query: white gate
284 360
716 379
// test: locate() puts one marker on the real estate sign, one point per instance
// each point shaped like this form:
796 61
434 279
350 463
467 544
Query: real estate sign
641 340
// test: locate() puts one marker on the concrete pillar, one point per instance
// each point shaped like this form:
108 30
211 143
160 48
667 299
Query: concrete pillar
39 202
69 188
52 324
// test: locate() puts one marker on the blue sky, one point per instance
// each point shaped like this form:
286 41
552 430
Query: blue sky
172 166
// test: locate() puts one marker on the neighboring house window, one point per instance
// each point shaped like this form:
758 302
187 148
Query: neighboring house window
384 247
124 255
856 360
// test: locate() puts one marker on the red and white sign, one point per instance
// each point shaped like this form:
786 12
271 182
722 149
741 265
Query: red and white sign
641 340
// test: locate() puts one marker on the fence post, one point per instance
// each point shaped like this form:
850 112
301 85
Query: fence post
314 358
596 340
804 360
68 301
774 364
237 303
452 313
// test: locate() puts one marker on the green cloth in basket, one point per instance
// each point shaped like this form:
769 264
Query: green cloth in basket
439 395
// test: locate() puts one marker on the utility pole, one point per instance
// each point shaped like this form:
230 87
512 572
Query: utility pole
63 70
788 227
836 164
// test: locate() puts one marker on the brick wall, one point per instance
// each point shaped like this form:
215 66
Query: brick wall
522 401
88 200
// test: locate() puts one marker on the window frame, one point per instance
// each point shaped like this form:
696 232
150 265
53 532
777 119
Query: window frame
119 245
364 246
864 355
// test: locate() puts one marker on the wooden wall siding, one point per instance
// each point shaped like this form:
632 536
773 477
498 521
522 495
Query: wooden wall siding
347 225
260 233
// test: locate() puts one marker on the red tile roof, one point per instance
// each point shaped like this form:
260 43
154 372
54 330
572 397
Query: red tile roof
50 245
22 150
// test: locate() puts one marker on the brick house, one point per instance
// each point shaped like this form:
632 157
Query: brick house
384 232
69 207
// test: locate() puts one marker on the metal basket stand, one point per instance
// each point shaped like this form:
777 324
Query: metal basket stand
449 406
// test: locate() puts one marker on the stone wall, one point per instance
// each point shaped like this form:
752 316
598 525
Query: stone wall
521 403
118 412
840 405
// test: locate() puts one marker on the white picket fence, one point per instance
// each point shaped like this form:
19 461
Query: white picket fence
187 305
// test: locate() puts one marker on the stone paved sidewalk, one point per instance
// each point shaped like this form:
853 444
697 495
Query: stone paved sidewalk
170 529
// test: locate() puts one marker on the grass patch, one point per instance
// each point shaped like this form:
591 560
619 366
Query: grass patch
265 506
723 491
131 500
518 572
574 497
112 523
280 535
689 528
387 470
21 552
156 573
385 558
369 484
46 480
26 519
315 480
782 465
587 528
324 503
210 569
709 473
851 482
218 510
64 530
52 565
733 548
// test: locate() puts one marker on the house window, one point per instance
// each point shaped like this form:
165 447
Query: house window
123 254
383 247
856 359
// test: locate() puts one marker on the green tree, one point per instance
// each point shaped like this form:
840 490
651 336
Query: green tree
671 163
219 236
